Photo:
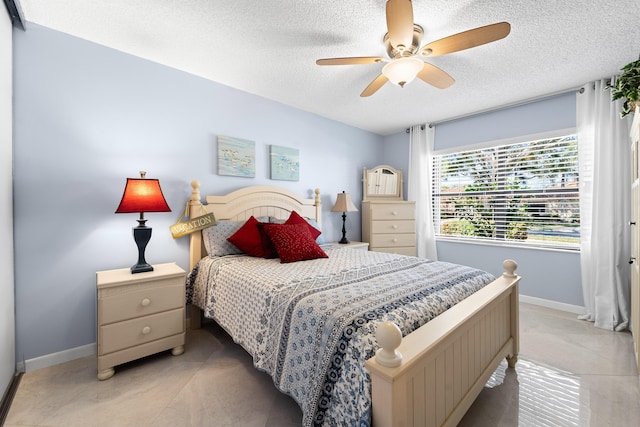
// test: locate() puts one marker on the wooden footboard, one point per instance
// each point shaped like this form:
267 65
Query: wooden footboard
444 365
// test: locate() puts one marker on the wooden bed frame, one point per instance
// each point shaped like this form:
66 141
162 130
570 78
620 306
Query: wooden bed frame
428 378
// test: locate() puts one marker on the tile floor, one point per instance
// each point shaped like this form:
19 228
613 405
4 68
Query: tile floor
569 374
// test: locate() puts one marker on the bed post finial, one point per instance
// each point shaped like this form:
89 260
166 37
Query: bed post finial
317 204
389 337
195 193
510 267
195 204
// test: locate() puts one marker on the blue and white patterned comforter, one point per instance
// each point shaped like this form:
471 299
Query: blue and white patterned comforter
311 324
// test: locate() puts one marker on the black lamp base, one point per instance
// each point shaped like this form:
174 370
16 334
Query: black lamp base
142 235
141 268
344 239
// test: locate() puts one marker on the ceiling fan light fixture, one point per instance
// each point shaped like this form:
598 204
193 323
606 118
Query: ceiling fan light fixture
402 43
401 71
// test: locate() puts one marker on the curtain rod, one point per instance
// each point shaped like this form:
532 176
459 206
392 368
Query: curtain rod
504 107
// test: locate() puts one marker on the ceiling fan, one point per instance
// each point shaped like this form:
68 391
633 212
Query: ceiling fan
402 43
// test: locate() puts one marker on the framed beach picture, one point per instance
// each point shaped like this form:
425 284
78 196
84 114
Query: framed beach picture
285 163
236 157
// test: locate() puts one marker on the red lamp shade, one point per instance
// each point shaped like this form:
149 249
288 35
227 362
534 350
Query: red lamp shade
142 195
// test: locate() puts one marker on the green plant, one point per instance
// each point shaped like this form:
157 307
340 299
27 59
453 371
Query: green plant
457 227
517 231
627 86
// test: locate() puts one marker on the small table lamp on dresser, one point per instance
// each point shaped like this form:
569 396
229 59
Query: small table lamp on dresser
344 205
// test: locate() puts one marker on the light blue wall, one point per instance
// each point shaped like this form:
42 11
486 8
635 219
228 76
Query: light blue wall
86 118
396 154
550 275
553 113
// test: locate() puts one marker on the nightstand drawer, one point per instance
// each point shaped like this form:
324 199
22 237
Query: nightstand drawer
392 240
387 211
393 227
138 331
128 305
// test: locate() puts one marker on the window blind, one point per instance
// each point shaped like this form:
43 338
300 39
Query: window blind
525 193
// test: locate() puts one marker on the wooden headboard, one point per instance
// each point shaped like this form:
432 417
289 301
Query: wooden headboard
239 205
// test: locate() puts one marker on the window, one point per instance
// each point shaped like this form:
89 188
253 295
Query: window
524 193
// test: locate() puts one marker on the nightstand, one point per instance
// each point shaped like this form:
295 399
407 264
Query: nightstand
363 246
139 315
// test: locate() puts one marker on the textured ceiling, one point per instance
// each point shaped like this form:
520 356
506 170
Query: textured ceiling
269 48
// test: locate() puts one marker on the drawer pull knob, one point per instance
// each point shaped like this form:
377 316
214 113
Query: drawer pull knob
146 330
145 302
394 226
394 240
394 213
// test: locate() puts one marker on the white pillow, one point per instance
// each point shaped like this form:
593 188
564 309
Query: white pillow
215 238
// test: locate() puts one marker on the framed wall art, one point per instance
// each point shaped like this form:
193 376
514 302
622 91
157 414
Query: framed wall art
285 163
236 157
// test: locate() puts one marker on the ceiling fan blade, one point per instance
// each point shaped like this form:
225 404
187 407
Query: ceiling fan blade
400 23
467 39
356 60
376 84
435 76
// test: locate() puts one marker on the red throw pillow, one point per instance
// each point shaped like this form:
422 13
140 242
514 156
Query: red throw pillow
268 250
293 242
248 238
295 218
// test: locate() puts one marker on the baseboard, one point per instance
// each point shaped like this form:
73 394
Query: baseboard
57 358
576 309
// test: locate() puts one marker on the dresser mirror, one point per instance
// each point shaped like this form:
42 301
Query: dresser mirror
382 182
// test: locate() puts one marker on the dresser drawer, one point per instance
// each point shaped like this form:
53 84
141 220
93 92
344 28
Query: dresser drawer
129 333
391 211
127 305
393 227
392 240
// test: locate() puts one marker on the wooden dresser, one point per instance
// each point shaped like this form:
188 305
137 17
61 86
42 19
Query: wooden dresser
389 226
139 314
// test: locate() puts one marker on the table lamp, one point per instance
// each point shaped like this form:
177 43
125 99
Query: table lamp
344 205
142 195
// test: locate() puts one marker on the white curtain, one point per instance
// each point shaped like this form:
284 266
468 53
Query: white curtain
605 184
419 188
